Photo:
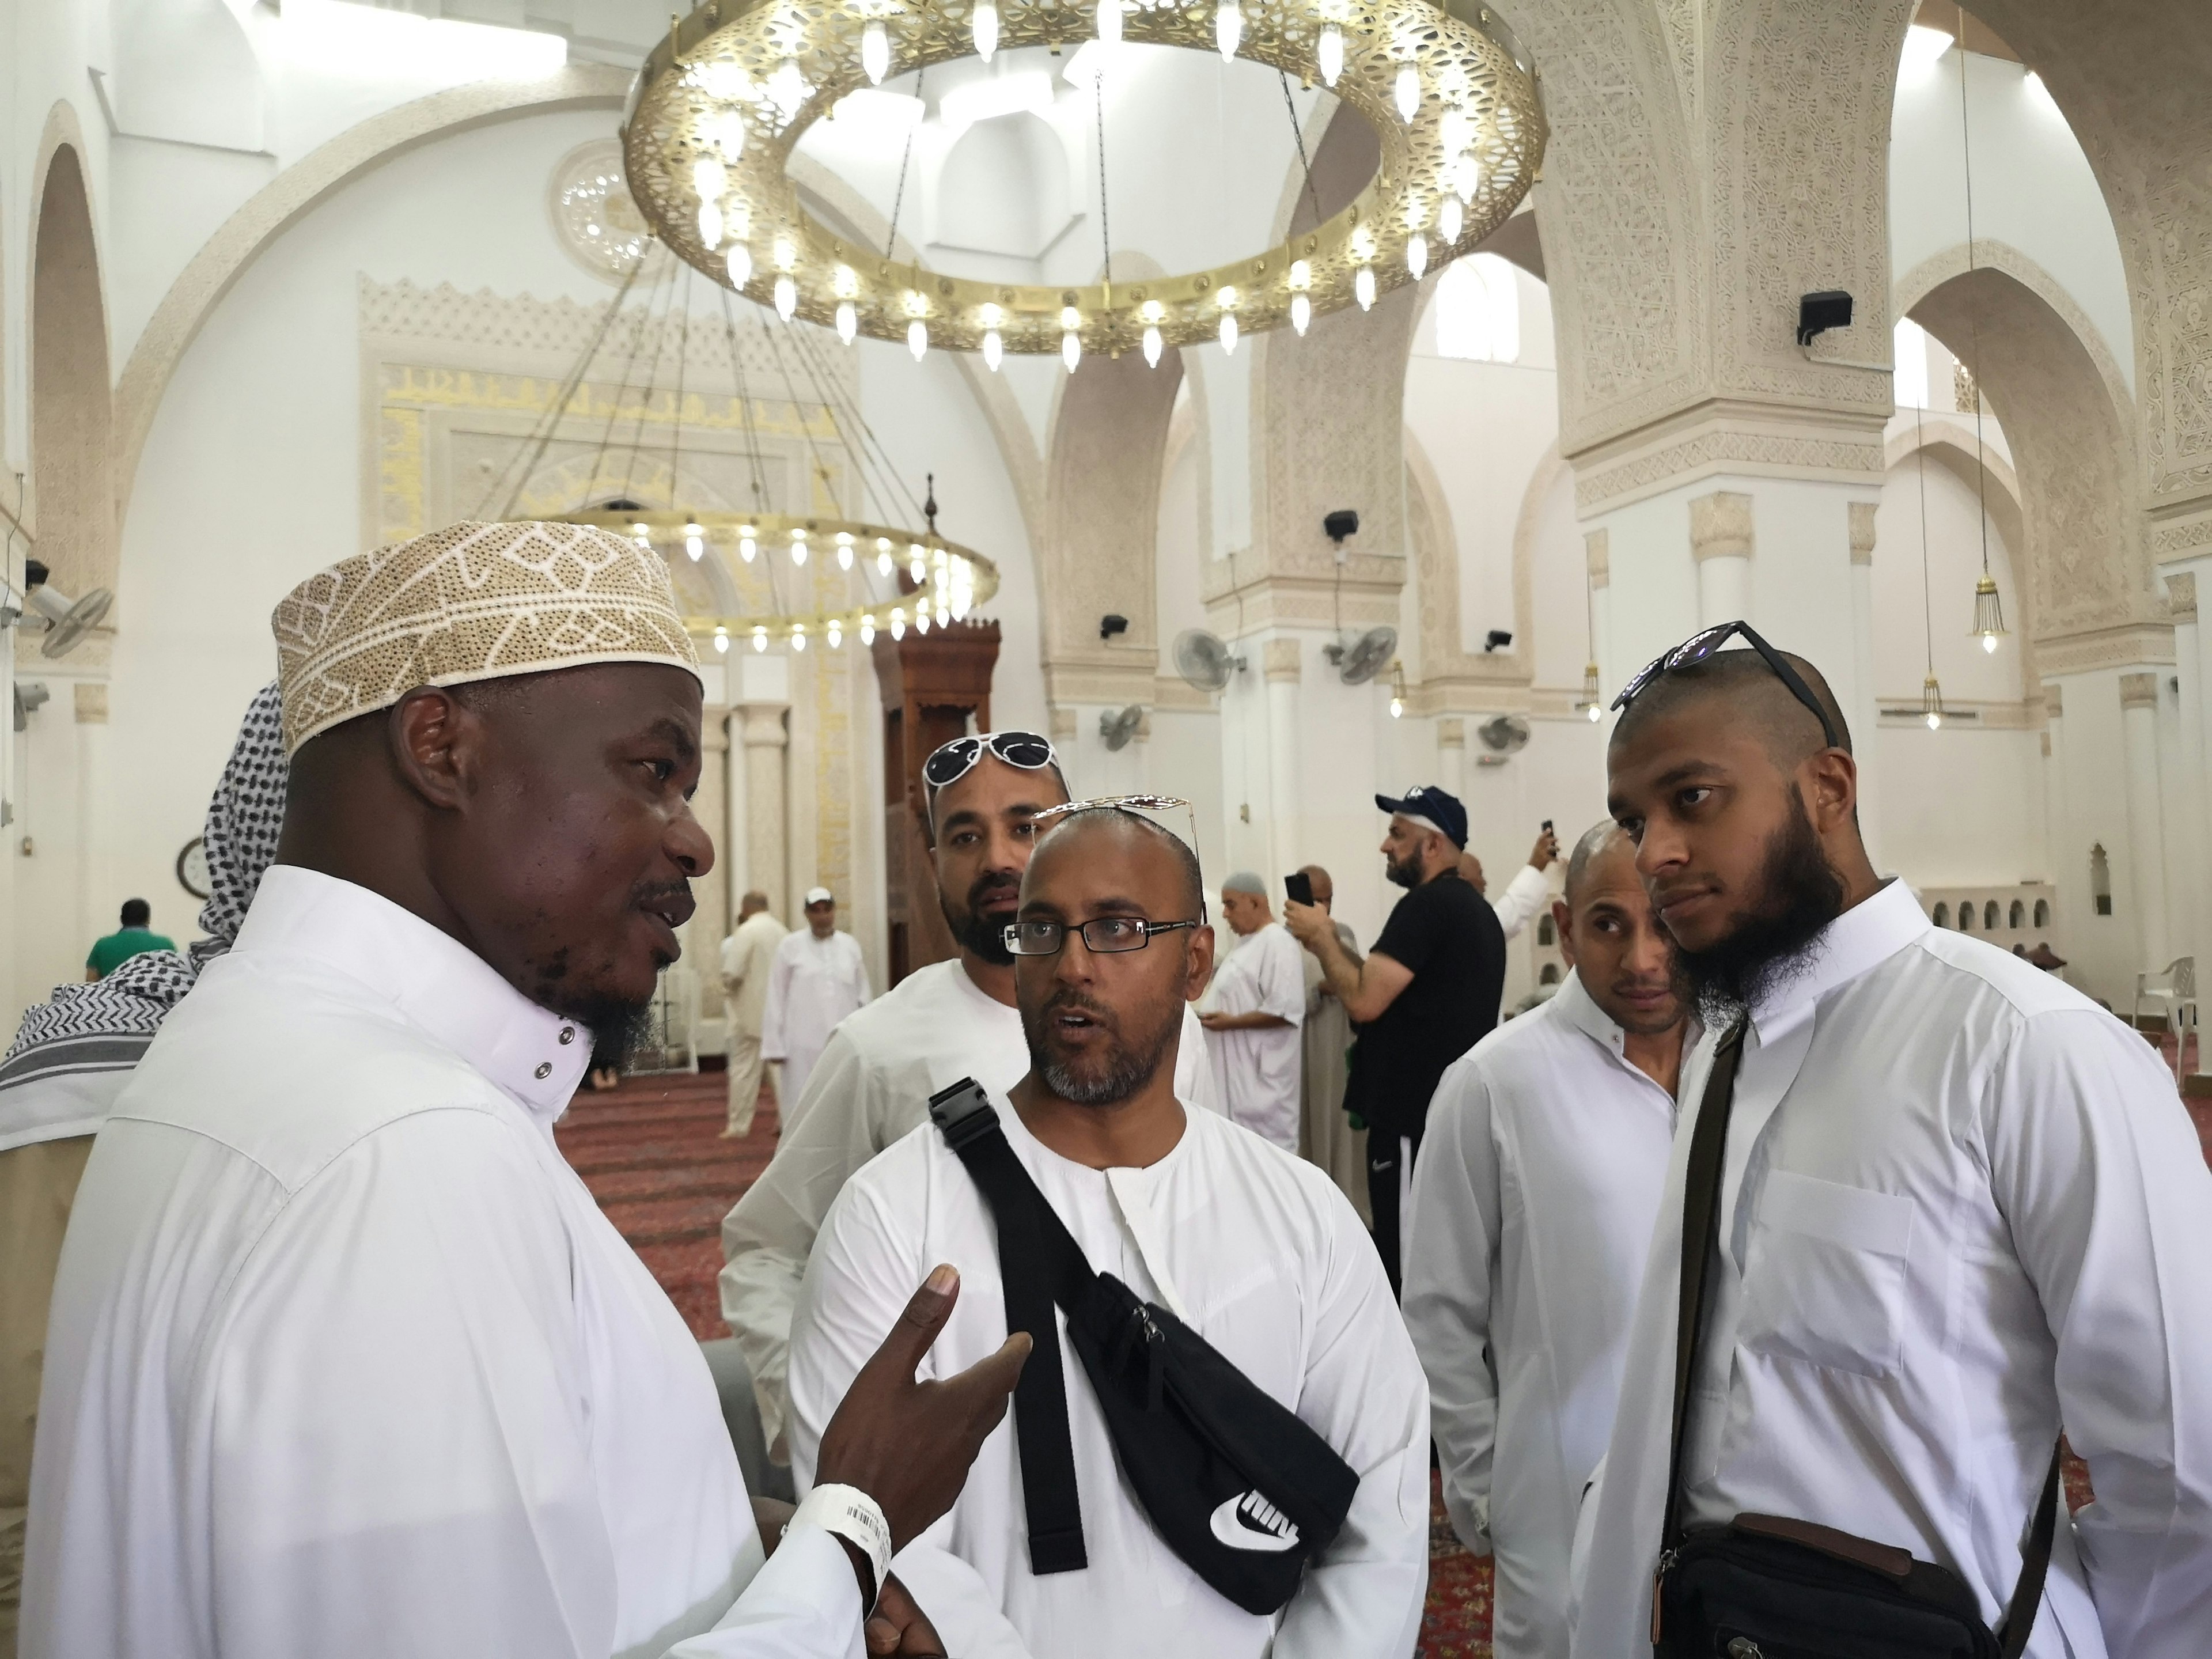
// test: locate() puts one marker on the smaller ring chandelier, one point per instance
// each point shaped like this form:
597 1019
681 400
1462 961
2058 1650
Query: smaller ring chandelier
719 105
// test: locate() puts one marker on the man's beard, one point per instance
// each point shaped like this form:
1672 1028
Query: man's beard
618 1031
1108 1077
1405 873
1798 895
974 931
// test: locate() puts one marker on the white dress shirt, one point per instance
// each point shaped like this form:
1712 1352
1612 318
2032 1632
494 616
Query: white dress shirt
1256 1070
813 984
1528 893
1259 1253
748 964
1533 1208
871 1087
1961 1205
345 1361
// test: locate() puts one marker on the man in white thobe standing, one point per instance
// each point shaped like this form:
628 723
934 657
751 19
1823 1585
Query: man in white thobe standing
1255 1006
950 1019
817 979
1253 1248
344 1359
1533 1201
1960 1207
748 961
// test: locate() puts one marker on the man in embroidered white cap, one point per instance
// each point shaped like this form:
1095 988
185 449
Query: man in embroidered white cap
344 1359
817 979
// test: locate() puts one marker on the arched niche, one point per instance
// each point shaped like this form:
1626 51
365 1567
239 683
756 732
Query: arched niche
2070 426
72 448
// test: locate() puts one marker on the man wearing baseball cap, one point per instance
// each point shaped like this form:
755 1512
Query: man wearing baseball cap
817 979
1426 993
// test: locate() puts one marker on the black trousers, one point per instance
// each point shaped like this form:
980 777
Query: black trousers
1390 1159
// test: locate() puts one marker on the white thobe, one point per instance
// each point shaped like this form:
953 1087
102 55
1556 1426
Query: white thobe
1256 1071
1525 895
1534 1202
814 983
873 1087
345 1361
1259 1253
1960 1206
748 965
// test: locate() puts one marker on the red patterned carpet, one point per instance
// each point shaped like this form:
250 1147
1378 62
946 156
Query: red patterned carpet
651 1153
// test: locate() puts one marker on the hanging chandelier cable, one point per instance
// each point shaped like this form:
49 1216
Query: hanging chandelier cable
1105 236
645 403
676 426
1989 612
806 431
643 325
879 478
898 197
744 407
1299 138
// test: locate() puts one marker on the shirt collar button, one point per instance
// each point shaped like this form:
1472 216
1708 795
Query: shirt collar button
544 1069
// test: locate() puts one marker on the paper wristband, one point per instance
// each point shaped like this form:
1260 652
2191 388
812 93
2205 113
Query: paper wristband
852 1514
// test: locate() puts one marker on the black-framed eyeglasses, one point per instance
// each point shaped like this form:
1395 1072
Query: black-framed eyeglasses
1702 644
1105 936
949 762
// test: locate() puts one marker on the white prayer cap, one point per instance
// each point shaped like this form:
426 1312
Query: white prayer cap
471 602
820 895
1245 882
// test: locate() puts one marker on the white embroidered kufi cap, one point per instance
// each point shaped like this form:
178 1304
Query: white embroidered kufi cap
471 602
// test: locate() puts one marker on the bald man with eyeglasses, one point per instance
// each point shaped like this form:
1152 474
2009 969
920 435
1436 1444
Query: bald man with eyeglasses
941 1023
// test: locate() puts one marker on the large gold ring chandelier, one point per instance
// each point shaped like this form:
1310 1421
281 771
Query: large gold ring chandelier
719 105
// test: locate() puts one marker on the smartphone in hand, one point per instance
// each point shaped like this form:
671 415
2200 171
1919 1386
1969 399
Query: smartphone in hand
1299 885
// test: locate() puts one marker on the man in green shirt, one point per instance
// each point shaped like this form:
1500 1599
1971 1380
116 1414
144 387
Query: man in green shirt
133 939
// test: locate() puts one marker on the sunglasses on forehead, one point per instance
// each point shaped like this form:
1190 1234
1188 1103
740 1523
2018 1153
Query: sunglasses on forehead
949 762
1707 641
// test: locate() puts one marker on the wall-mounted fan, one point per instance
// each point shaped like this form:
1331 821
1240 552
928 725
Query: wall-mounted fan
1205 659
68 620
1503 736
1365 657
1114 730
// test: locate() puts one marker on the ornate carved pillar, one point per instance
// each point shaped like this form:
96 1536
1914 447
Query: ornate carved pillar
1721 542
934 686
1280 657
1597 555
2146 828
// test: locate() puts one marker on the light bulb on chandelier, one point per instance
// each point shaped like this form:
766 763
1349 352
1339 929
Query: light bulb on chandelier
786 297
722 640
1407 92
875 50
898 623
1363 286
1329 50
867 629
746 546
710 226
844 550
1152 344
760 639
917 338
994 350
848 322
1417 255
694 541
984 28
833 633
798 546
883 555
1931 703
1110 20
799 639
739 265
1989 614
1228 29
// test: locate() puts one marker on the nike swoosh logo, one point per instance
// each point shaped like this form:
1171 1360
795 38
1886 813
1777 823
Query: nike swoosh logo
1249 1522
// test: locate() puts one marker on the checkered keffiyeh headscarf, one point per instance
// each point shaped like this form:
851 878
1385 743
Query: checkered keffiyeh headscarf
90 1026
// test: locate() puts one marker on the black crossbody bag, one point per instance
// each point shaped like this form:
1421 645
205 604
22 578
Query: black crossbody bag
1768 1587
1236 1484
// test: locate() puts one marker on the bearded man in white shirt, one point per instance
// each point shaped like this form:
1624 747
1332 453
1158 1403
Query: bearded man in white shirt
817 978
1251 1247
941 1023
1533 1201
345 1360
1256 1002
1960 1207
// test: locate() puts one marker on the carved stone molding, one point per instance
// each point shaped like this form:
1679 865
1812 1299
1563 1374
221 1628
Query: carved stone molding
1597 556
2110 647
1721 526
2184 539
1746 440
2181 597
1279 659
2138 691
1863 517
1110 684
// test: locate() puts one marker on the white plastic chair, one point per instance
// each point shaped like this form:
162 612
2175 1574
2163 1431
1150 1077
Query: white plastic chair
2174 992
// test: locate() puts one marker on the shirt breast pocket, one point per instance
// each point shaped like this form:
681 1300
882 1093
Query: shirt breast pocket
1825 1274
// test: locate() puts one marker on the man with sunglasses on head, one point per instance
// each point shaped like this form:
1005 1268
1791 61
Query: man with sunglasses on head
941 1023
1939 1205
1249 1245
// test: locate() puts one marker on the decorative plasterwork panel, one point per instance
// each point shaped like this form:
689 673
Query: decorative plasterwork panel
2110 647
1753 440
2131 81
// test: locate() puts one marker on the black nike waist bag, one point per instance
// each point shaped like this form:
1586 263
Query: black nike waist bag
1235 1484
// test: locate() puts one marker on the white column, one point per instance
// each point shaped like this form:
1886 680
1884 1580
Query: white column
737 848
1721 542
765 739
1859 710
2146 834
2057 832
1451 755
1281 658
1597 555
2193 895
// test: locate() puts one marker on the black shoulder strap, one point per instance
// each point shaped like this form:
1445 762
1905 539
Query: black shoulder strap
1701 1208
1036 1253
1701 1187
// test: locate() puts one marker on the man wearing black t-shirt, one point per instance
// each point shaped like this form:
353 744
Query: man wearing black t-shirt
1426 993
